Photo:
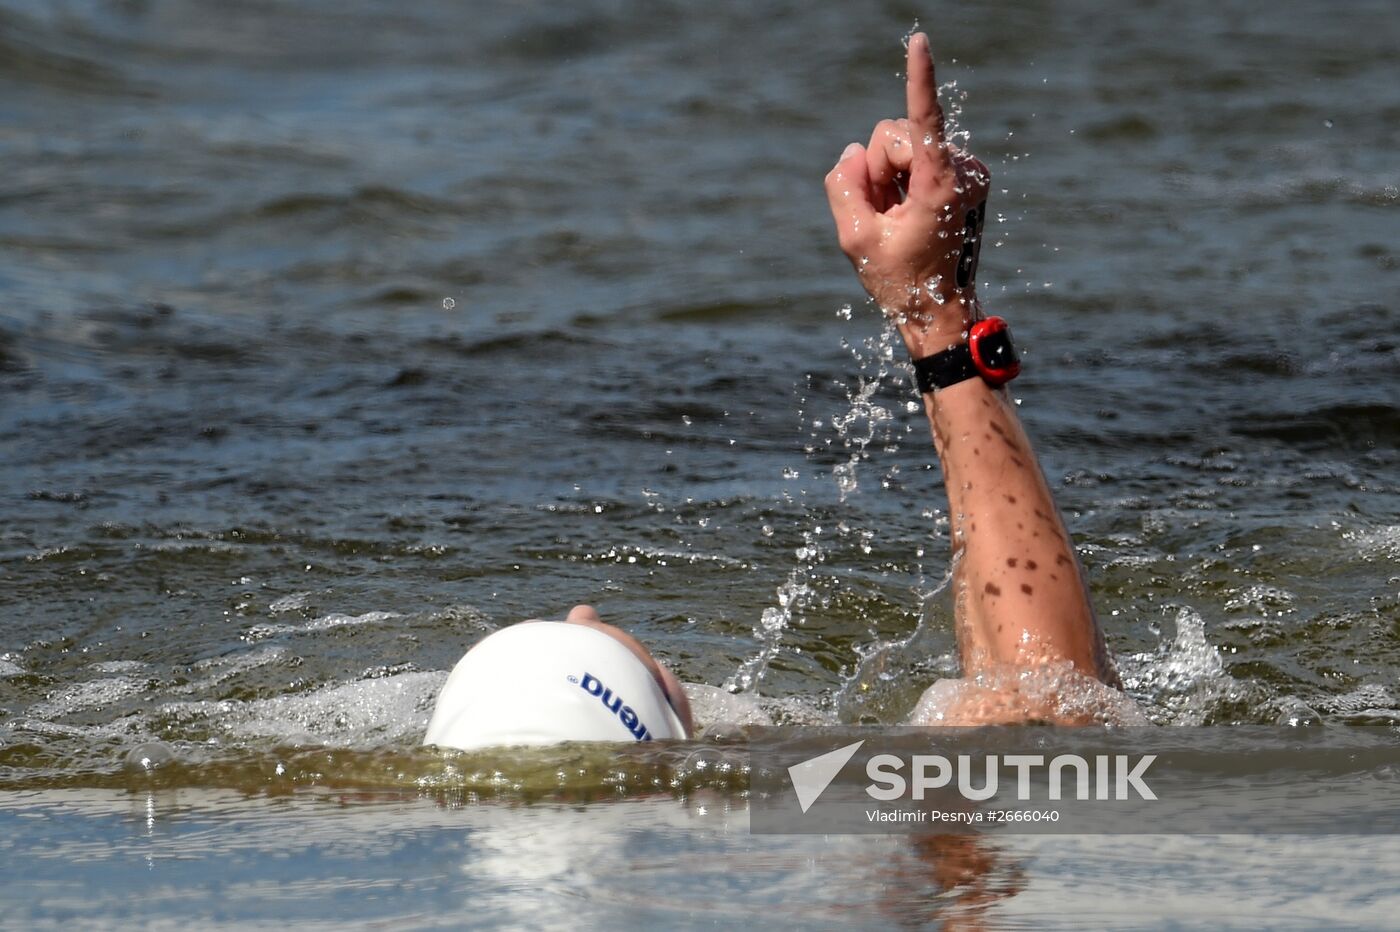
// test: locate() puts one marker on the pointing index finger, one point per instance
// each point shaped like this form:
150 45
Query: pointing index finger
921 99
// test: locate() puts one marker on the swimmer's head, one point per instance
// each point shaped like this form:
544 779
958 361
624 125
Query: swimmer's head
545 682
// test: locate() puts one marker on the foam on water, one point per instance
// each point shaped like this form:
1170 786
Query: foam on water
1377 543
1369 704
120 666
720 713
1049 692
366 713
324 623
87 695
292 602
220 670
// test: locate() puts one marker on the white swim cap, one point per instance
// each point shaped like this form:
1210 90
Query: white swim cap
543 682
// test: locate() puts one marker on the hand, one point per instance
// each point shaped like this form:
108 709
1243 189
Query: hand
909 211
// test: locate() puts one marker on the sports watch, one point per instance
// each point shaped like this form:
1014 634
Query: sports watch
987 353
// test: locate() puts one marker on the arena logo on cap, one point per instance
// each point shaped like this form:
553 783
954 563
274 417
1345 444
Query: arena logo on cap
614 704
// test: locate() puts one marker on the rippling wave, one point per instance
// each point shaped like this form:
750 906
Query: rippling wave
334 336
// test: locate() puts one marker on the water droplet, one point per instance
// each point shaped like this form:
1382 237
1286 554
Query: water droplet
1328 123
767 530
844 312
845 476
148 757
686 420
448 304
790 473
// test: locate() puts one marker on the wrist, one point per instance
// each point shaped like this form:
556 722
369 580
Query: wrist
931 330
987 355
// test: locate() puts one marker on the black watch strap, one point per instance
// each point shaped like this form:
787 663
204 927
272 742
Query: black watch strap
943 369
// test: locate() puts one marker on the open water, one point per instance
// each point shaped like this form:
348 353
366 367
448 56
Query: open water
335 335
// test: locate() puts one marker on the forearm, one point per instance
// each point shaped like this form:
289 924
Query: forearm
1020 592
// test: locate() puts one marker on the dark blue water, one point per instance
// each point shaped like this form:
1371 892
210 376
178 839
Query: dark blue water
333 335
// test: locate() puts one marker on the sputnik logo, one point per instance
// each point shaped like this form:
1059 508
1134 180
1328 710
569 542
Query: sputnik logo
811 777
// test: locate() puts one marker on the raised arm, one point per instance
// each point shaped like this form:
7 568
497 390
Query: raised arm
908 211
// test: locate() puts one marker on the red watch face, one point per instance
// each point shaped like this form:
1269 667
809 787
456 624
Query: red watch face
989 343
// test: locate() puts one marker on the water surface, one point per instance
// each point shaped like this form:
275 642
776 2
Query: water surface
334 336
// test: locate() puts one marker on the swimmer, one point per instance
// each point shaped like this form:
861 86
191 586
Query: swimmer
909 208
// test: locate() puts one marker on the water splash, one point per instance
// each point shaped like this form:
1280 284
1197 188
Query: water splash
864 419
1182 681
952 98
863 422
792 598
888 672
